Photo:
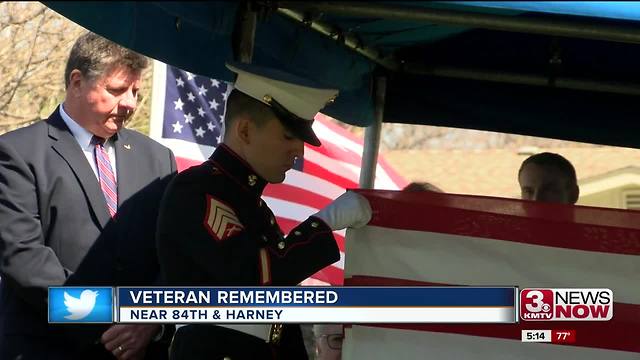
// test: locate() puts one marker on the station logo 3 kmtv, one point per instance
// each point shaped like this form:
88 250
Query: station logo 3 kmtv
566 304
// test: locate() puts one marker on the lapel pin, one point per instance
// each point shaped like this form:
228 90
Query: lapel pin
127 146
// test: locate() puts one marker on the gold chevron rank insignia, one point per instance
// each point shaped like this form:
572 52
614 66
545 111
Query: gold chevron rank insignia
220 220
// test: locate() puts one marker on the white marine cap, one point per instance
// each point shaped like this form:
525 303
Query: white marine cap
294 100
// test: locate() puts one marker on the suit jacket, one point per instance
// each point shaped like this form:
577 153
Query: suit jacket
55 228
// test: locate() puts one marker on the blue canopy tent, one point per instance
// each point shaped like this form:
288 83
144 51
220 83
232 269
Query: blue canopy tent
565 70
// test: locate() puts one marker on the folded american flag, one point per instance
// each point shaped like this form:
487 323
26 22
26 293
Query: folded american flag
445 239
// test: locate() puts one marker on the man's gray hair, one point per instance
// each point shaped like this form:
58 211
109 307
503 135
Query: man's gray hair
94 56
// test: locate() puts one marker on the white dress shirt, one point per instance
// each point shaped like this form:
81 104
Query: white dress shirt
83 137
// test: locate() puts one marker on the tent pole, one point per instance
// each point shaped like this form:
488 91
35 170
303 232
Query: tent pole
247 34
561 82
372 138
348 40
584 29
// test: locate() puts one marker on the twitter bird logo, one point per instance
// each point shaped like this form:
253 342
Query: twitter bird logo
83 305
80 308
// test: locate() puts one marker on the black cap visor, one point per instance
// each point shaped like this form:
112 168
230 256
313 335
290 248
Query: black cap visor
300 127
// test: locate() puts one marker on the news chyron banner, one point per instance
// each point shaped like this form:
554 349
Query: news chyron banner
415 304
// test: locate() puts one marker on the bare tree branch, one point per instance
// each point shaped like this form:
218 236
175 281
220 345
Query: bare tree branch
34 45
24 72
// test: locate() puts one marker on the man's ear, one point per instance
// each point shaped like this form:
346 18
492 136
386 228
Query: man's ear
76 80
243 129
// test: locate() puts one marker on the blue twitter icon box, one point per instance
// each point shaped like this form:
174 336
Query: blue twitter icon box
80 304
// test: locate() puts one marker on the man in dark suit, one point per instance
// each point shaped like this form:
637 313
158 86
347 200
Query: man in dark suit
78 206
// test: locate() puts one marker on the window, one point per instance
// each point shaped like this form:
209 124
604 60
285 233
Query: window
631 199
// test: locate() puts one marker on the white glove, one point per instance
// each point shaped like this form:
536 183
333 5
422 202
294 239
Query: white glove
348 210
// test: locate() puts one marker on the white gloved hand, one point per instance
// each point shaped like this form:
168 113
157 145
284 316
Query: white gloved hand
348 210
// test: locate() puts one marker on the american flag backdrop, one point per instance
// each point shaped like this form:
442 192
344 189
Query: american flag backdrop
188 117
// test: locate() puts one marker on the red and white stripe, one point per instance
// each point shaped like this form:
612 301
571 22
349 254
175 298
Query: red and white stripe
444 239
107 179
328 171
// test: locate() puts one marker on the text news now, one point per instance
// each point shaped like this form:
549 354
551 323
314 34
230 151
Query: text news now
449 304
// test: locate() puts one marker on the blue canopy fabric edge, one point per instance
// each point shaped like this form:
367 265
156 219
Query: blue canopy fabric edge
620 10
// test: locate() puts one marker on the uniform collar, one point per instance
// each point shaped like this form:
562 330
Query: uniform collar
239 170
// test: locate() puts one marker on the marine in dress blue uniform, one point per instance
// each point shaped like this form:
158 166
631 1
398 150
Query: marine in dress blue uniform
215 229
